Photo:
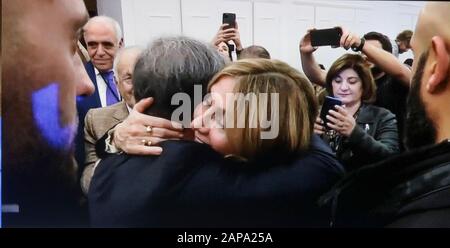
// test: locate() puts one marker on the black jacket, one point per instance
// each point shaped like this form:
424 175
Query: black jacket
190 185
374 138
408 190
392 95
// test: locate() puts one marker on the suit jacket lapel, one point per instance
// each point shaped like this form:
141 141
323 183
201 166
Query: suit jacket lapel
122 112
92 101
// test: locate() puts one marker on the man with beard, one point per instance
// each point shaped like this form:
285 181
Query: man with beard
412 189
42 74
391 77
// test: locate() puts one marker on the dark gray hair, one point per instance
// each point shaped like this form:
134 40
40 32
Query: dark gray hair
172 65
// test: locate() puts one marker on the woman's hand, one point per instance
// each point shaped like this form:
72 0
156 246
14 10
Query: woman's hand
341 121
140 133
318 126
224 35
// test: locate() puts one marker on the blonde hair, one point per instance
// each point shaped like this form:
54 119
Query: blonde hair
297 106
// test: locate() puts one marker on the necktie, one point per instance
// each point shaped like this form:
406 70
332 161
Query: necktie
112 96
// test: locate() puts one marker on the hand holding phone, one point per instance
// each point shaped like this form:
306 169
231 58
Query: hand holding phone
230 19
326 37
328 105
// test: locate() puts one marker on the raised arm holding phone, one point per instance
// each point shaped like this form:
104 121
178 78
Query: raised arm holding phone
384 60
228 31
391 77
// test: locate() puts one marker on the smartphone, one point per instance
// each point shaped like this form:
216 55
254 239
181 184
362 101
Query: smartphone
328 104
326 37
230 19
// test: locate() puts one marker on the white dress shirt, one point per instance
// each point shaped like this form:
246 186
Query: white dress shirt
101 86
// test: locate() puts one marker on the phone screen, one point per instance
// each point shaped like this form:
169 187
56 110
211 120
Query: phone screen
328 104
326 37
230 19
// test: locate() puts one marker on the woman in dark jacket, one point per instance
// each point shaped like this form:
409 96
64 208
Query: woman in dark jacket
358 132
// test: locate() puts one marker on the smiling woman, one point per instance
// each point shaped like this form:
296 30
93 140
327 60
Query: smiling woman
269 108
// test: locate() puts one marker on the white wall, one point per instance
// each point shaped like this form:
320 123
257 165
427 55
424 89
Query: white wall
277 25
112 8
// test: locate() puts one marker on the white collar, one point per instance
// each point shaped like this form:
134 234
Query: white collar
97 72
129 108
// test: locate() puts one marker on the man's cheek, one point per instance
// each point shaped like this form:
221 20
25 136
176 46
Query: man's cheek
47 117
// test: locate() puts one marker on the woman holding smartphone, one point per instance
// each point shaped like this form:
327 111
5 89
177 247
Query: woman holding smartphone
357 131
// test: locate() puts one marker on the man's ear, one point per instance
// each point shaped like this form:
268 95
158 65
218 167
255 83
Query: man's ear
440 66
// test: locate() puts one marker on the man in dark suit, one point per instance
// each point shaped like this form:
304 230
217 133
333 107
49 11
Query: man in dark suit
103 38
190 184
174 65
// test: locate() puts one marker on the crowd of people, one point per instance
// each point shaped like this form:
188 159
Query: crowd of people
182 133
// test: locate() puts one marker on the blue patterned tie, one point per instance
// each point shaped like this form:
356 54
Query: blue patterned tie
112 96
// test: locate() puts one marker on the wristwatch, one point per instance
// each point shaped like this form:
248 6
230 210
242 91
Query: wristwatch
360 47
